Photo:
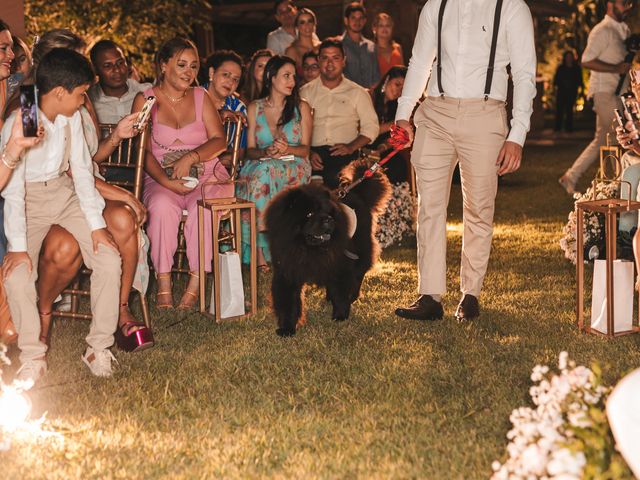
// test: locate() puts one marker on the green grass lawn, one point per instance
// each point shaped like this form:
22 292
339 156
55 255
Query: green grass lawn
374 397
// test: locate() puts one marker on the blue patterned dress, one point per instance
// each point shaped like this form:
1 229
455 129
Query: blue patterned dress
260 180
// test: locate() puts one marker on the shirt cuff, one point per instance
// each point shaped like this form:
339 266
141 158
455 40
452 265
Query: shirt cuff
96 222
403 112
517 135
17 245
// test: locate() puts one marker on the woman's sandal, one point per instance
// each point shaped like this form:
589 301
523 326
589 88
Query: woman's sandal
133 336
264 268
189 299
169 293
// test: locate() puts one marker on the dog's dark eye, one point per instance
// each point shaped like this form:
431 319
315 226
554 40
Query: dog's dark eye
310 214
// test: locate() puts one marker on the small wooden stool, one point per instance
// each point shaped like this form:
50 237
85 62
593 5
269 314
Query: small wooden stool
229 208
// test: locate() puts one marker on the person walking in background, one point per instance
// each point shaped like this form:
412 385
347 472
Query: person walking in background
463 121
362 59
604 56
389 51
567 83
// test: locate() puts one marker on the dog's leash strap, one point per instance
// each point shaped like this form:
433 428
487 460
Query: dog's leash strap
398 140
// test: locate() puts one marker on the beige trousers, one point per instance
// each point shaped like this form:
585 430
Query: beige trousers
603 105
56 203
449 131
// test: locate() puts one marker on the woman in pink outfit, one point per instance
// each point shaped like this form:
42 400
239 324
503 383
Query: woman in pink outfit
187 134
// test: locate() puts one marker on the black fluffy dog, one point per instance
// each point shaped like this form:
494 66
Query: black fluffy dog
308 232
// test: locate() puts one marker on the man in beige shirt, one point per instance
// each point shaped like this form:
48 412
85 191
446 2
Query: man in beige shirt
344 119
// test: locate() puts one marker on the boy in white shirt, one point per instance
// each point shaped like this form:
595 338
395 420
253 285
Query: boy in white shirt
55 185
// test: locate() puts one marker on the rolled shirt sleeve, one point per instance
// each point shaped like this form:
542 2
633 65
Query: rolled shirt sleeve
91 202
597 42
15 222
369 126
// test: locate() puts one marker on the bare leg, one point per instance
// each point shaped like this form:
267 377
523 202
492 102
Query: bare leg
121 224
190 295
59 263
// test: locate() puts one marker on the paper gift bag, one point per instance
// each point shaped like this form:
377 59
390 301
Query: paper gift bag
231 288
622 296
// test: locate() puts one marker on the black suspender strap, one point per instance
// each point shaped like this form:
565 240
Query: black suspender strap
492 55
439 66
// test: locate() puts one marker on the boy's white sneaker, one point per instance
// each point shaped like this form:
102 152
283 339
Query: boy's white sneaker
99 361
30 372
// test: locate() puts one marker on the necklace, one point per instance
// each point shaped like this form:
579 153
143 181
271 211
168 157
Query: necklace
174 100
173 104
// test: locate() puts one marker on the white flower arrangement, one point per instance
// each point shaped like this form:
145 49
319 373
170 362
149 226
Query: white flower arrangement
593 222
566 436
398 220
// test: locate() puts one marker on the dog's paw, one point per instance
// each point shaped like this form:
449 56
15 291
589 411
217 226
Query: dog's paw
341 312
285 332
340 316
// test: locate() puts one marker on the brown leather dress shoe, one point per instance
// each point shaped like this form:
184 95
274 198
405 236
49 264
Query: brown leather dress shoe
424 308
468 309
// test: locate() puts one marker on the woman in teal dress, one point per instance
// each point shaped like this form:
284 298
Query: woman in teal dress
278 140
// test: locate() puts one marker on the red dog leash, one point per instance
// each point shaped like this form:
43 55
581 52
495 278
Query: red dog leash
398 140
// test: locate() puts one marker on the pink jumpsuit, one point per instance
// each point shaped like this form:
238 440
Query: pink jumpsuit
165 207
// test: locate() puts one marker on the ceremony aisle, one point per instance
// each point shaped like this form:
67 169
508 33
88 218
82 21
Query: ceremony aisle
373 397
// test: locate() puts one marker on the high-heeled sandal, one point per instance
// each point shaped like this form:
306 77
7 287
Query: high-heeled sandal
188 294
164 305
46 338
133 336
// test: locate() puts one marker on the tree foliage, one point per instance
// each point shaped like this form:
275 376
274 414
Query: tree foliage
139 26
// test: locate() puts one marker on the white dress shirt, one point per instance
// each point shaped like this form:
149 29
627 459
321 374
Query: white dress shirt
606 43
42 163
340 114
112 109
467 29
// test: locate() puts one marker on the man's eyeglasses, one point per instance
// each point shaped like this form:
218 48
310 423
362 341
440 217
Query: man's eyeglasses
311 66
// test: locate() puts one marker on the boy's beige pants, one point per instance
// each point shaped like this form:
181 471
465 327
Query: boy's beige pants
470 132
50 203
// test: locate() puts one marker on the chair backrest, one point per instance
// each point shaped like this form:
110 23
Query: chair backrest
127 160
233 129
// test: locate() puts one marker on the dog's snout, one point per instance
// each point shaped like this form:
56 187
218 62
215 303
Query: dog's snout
328 222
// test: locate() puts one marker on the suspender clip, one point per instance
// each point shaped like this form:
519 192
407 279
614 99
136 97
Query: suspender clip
486 97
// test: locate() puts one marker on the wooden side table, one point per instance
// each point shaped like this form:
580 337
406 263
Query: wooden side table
611 208
232 209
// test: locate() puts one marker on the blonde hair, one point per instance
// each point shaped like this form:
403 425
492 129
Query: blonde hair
382 16
58 38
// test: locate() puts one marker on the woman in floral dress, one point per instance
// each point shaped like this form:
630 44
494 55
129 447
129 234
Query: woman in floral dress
279 135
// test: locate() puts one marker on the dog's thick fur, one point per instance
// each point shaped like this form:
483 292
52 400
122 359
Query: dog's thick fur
297 222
